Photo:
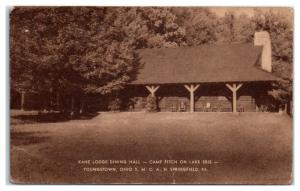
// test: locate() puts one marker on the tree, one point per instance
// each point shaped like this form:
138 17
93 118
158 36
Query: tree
233 28
199 24
225 29
153 27
26 47
55 39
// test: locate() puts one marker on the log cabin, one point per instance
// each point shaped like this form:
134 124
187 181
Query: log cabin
207 78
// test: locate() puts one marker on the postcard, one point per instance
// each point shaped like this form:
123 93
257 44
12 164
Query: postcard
151 95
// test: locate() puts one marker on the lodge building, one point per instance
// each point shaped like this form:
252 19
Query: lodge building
208 78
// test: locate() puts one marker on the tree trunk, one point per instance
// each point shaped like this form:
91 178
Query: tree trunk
82 105
22 100
285 109
51 108
44 105
57 101
72 107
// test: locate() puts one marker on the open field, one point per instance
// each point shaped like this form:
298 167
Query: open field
249 147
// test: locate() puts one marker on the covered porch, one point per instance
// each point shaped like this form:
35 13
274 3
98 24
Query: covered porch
205 97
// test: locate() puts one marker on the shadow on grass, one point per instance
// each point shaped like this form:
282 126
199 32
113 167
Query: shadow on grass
27 138
49 118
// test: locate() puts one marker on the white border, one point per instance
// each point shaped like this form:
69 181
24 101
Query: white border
5 4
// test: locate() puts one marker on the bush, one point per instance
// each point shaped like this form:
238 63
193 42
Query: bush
115 105
151 104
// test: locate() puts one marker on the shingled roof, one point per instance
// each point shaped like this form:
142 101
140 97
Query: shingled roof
202 64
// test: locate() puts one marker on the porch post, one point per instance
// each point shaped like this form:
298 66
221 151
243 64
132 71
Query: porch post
191 88
234 88
152 89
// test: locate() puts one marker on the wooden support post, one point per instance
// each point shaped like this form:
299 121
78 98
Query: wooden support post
234 99
192 88
152 89
234 88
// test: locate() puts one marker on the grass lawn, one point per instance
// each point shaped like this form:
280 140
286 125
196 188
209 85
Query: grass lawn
246 148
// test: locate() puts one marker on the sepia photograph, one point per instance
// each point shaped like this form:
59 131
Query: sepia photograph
151 95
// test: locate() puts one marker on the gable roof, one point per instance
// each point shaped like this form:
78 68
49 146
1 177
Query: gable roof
202 64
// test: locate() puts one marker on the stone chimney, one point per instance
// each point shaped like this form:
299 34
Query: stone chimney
262 38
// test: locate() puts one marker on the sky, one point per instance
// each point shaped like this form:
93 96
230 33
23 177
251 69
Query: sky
220 11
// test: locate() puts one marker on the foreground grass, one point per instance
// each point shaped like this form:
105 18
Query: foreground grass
250 147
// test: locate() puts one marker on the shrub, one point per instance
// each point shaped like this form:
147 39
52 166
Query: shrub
115 105
151 104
